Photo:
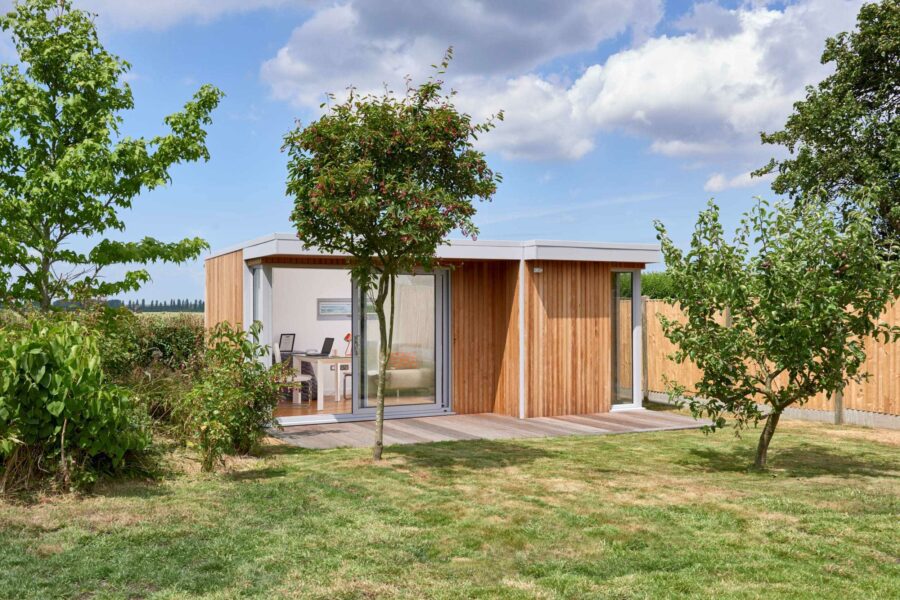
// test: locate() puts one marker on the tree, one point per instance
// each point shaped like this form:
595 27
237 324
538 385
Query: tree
385 179
66 171
780 314
844 137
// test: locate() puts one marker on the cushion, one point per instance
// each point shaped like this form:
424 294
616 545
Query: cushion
403 360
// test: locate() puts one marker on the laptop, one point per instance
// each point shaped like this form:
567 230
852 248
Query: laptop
326 348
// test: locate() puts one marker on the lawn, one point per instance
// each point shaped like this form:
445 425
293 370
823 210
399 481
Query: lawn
639 515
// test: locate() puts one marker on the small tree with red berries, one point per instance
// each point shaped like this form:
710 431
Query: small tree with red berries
385 179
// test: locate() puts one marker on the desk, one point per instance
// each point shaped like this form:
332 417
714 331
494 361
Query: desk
321 364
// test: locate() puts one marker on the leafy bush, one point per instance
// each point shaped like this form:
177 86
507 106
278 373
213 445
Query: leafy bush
59 416
132 342
160 391
234 397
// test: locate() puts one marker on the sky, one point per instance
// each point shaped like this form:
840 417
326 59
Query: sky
616 113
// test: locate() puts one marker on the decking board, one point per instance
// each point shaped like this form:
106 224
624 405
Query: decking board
480 426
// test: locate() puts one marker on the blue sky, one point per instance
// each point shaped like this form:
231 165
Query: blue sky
617 113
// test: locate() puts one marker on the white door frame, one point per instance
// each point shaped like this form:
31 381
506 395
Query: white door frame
637 343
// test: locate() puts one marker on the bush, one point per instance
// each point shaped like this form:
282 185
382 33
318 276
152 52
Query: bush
131 342
160 391
233 400
59 416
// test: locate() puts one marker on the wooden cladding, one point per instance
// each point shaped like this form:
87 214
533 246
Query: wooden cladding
224 289
485 337
568 338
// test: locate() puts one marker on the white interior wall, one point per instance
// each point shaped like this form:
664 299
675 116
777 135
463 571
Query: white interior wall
294 309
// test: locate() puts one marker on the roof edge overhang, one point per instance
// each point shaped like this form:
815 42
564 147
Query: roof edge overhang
287 244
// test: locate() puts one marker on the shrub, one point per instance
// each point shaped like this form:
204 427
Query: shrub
234 398
132 342
160 391
59 416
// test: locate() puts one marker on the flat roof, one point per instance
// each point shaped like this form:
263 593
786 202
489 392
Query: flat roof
287 244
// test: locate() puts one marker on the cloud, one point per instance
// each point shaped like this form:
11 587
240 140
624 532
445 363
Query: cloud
539 124
718 182
370 43
710 20
704 93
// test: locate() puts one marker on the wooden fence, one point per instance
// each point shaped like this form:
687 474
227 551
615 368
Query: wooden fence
880 393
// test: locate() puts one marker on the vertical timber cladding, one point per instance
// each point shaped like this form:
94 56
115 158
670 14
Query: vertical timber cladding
485 337
568 337
224 289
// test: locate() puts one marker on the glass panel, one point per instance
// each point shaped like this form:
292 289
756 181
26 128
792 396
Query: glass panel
297 293
622 350
411 367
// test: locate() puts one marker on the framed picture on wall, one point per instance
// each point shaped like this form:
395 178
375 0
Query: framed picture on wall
334 309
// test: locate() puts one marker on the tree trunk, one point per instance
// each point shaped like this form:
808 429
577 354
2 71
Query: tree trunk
762 449
378 447
386 331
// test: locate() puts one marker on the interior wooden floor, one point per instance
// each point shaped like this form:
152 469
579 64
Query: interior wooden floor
482 427
286 408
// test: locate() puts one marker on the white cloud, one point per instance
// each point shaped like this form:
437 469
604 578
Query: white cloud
539 120
370 43
710 20
699 94
705 93
718 182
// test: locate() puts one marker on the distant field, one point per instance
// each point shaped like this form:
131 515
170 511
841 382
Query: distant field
171 314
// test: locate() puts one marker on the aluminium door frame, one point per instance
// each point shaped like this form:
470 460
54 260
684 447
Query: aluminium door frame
442 404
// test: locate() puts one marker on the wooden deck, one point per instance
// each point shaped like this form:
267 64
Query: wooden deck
485 426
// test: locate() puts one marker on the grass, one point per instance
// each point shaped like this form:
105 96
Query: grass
667 514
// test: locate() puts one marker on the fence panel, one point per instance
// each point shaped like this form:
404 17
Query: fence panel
880 393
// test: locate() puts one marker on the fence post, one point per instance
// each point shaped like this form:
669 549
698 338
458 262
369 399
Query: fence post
839 407
645 373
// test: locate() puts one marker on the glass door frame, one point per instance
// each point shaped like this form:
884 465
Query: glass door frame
637 342
441 406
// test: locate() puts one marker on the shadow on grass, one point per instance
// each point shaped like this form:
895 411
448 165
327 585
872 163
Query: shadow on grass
803 460
129 488
285 449
469 454
269 472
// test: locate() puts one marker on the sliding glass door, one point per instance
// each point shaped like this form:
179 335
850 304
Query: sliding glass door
416 373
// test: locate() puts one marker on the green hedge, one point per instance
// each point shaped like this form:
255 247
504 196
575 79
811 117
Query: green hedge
657 285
